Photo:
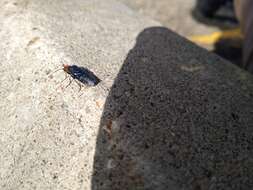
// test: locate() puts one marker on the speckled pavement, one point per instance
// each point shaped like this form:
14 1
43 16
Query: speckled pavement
166 115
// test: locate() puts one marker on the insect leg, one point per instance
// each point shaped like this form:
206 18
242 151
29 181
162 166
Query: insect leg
60 86
80 86
66 76
70 81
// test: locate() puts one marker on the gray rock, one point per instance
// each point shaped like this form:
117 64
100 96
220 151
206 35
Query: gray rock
174 116
177 117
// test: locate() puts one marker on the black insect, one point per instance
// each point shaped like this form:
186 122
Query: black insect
78 74
81 74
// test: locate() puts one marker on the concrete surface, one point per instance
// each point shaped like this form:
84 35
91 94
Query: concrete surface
48 133
175 116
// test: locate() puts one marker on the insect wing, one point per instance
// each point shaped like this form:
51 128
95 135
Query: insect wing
84 75
89 77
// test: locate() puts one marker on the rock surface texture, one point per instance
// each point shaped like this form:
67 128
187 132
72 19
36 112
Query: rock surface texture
166 115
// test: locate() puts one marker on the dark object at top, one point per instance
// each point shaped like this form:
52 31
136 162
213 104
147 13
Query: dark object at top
209 7
81 74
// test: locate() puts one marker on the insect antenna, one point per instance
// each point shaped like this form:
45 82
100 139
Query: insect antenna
50 74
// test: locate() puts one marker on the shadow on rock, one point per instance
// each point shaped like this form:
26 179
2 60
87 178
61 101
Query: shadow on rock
230 49
175 118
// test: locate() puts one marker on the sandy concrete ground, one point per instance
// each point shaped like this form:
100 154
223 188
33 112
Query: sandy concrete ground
166 115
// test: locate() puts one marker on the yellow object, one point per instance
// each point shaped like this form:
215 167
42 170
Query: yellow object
216 36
